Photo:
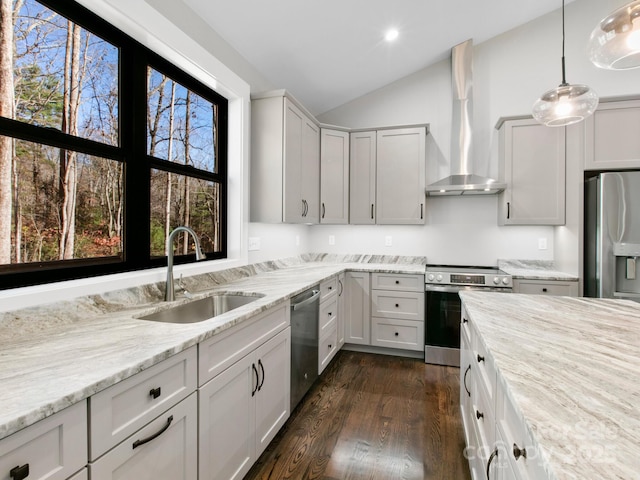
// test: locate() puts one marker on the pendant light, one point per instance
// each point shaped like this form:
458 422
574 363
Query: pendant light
615 42
567 103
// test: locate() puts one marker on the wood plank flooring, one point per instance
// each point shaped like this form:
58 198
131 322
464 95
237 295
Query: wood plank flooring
372 417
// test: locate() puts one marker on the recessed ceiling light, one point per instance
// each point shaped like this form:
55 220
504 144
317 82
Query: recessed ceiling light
391 35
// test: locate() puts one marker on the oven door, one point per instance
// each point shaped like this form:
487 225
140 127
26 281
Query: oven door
442 322
442 325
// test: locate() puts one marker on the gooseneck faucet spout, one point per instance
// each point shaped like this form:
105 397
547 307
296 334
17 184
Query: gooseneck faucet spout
169 293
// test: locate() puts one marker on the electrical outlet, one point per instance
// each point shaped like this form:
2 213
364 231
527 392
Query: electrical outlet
254 243
332 239
542 243
388 241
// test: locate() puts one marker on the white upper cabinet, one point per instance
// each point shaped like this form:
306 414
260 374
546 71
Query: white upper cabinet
532 161
285 162
612 136
388 176
400 185
334 176
362 183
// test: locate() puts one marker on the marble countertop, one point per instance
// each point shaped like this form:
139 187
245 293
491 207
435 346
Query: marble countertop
53 356
571 365
534 270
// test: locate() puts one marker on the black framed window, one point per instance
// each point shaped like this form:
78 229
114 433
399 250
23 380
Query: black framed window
105 148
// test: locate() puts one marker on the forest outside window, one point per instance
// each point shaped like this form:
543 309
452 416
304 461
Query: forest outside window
104 149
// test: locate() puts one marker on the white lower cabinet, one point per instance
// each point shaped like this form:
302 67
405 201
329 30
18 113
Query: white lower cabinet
328 323
166 448
242 409
53 448
498 445
357 323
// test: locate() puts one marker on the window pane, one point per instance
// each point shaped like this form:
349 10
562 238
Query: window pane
169 195
64 76
181 125
64 204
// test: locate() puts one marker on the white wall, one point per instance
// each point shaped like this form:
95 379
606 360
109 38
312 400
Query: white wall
510 72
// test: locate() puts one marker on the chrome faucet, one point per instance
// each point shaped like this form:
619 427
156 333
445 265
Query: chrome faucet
169 293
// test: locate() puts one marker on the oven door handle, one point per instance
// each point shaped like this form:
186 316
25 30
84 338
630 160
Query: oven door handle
442 288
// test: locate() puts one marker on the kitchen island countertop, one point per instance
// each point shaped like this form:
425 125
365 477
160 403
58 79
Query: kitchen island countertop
570 366
53 356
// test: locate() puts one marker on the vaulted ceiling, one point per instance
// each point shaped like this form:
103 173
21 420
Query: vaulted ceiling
328 52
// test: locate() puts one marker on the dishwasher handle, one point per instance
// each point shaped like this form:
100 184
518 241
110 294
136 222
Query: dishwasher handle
311 299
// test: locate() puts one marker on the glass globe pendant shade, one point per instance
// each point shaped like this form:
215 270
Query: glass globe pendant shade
615 42
565 105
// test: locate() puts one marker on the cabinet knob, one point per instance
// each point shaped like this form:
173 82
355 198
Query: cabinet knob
397 282
544 289
464 320
397 305
397 334
155 392
479 415
19 472
330 313
480 358
519 452
330 346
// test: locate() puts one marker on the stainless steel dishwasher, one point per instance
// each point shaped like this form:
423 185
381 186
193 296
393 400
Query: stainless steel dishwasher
304 342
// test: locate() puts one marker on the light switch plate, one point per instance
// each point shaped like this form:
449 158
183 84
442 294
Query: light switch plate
332 239
542 243
388 241
254 244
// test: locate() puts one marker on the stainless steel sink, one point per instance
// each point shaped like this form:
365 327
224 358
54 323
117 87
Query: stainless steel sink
202 309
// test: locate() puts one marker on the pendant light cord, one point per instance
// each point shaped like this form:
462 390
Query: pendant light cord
564 79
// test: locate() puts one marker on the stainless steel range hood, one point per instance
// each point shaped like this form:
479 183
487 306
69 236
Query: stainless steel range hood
462 180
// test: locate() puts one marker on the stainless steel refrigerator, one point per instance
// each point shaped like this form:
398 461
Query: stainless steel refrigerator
612 236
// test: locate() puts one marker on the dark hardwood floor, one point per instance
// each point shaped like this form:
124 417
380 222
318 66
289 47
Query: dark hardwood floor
372 417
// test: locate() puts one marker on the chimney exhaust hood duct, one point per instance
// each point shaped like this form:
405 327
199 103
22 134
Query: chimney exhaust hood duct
462 180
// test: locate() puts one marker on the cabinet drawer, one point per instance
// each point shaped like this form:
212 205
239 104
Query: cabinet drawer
328 288
396 333
541 287
483 417
170 451
397 281
327 347
484 367
402 305
328 312
53 448
512 429
221 351
120 410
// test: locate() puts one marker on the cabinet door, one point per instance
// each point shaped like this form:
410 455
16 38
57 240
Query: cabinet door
310 171
362 178
227 422
165 449
533 161
342 295
400 186
612 139
357 322
334 176
294 131
273 360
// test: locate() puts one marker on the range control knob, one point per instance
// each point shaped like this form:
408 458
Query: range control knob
496 280
430 277
439 278
505 280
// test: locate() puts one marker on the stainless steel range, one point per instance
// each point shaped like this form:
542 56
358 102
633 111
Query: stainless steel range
442 305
